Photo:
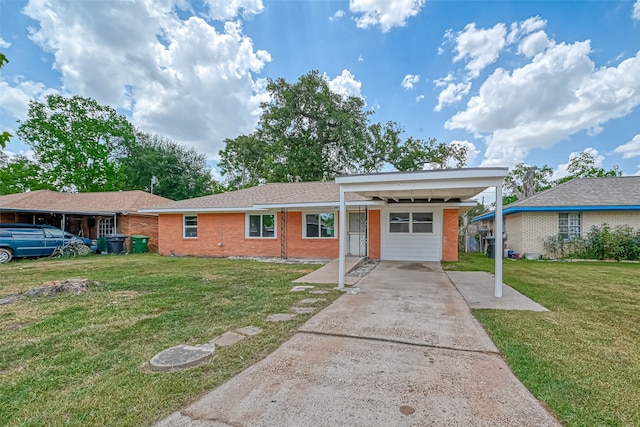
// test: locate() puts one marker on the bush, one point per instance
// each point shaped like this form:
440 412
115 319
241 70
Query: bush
621 243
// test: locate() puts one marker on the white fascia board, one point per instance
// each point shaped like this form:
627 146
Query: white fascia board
492 174
421 185
197 210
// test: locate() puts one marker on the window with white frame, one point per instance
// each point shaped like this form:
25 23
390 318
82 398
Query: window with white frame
411 222
105 226
569 225
261 225
320 225
190 226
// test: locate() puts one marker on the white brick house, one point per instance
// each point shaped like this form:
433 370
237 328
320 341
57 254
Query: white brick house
569 209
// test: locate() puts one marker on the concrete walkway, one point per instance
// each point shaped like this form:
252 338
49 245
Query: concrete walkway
328 273
404 352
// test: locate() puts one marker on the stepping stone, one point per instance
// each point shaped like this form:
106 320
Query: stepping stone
249 330
182 357
227 339
301 288
303 310
311 300
318 292
351 291
280 317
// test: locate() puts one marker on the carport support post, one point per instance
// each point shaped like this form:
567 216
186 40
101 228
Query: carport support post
499 248
342 239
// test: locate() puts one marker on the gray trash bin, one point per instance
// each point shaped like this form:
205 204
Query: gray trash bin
115 243
491 247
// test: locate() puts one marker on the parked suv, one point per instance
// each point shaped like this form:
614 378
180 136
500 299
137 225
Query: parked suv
32 240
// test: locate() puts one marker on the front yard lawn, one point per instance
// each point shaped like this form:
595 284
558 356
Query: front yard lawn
81 359
583 357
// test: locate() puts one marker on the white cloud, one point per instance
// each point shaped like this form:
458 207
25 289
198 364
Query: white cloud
419 98
521 29
561 171
339 14
534 44
180 78
346 84
630 149
360 58
386 13
222 10
4 44
479 48
444 81
559 93
636 10
452 94
410 80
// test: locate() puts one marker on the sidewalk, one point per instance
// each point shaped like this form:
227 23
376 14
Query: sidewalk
404 352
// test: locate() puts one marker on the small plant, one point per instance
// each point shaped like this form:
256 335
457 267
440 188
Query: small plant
622 244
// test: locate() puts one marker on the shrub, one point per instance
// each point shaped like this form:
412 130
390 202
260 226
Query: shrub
621 243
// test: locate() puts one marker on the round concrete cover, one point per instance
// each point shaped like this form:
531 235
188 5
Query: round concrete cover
181 357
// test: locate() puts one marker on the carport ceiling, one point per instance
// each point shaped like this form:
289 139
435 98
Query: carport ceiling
433 185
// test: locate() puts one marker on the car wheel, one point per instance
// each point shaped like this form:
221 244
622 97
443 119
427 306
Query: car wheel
5 255
83 250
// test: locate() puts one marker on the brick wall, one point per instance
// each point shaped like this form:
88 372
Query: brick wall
374 234
513 228
590 219
537 226
145 225
450 235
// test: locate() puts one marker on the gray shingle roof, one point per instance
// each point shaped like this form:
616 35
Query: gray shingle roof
612 191
267 194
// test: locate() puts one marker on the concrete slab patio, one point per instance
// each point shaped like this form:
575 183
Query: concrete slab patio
406 351
477 289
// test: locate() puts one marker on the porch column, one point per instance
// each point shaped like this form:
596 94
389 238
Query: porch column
499 251
342 239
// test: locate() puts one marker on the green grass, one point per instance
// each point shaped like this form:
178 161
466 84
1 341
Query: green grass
82 359
583 357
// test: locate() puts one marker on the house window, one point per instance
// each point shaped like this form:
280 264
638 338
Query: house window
262 225
411 222
190 226
319 225
105 226
569 225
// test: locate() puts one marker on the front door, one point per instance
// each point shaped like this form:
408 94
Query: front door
357 233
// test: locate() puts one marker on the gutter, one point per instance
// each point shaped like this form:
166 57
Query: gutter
520 209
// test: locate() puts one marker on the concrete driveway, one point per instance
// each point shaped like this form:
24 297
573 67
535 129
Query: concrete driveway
404 352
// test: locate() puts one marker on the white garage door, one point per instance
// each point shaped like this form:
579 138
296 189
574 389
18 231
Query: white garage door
411 233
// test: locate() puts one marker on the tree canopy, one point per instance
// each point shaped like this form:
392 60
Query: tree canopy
308 132
584 166
178 172
19 174
78 142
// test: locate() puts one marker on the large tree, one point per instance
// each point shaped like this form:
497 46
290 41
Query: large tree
78 142
177 172
584 166
524 181
308 132
19 174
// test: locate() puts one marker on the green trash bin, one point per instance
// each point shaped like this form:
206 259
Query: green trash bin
139 244
102 245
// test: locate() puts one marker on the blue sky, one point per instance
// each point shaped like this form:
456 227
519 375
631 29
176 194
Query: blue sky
532 81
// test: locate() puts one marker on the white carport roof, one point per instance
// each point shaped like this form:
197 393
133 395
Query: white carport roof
446 185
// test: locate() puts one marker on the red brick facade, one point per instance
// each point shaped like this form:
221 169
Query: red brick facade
145 225
450 235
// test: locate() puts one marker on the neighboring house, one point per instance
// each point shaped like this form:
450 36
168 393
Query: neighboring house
91 215
570 209
390 216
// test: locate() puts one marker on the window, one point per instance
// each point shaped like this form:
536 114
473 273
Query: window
320 225
190 226
105 226
262 225
569 225
411 222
